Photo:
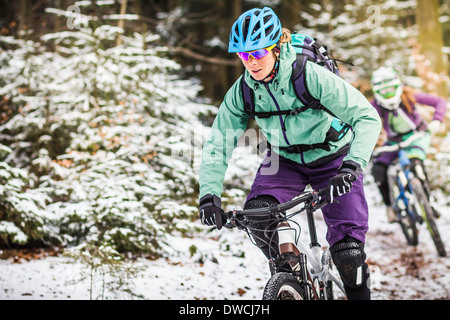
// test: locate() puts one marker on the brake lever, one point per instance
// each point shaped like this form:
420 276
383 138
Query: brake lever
233 223
311 204
318 201
227 225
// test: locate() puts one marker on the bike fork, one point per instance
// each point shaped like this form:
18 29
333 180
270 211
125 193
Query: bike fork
273 267
302 260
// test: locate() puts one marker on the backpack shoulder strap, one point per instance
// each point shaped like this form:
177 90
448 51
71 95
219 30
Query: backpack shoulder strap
298 79
249 98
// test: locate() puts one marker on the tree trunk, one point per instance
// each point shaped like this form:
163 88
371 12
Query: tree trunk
123 10
23 23
431 43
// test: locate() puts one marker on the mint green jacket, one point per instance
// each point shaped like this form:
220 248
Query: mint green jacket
309 127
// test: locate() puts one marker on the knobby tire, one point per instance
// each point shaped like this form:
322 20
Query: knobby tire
283 286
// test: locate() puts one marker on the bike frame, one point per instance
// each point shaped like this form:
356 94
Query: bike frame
317 270
403 176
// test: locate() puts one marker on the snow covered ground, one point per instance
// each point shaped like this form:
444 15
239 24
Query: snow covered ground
227 266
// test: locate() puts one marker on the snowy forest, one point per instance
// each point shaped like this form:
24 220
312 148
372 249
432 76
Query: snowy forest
105 105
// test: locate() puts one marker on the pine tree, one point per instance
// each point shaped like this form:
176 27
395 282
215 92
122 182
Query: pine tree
97 141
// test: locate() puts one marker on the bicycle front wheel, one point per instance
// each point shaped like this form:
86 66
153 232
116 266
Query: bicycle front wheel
283 286
428 216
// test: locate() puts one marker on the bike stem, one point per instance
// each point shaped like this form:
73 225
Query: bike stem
312 229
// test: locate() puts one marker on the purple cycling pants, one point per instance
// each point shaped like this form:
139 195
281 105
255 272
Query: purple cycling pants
348 217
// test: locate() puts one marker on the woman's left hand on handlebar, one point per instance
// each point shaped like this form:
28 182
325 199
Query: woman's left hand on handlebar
342 183
211 211
339 185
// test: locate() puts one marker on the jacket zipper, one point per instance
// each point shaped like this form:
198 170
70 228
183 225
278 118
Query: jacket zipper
283 127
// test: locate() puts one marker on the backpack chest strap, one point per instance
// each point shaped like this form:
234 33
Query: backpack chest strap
268 114
300 148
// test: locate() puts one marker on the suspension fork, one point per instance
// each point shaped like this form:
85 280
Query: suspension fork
306 278
315 248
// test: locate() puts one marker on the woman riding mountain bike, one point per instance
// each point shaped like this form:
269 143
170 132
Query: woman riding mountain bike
300 153
396 105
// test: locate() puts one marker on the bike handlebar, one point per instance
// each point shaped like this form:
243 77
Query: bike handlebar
398 146
315 199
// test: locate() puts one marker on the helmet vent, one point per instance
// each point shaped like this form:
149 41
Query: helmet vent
276 35
236 30
257 27
245 25
269 30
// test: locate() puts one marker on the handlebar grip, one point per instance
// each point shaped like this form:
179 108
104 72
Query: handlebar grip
225 216
322 192
226 220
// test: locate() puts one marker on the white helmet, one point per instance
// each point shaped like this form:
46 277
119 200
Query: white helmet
387 87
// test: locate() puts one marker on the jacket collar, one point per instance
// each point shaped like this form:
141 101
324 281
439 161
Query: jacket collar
287 58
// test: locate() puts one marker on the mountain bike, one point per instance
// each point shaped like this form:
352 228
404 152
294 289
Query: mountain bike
409 196
299 271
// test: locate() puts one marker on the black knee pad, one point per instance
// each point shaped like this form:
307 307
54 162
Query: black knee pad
263 228
379 172
349 258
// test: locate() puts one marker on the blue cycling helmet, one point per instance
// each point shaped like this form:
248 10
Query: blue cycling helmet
255 29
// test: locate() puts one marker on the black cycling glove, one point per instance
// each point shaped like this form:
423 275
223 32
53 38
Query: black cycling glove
210 211
342 183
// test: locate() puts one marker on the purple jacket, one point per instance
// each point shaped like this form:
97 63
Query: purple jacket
438 103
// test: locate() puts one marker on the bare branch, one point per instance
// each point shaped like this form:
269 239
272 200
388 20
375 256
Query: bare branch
191 54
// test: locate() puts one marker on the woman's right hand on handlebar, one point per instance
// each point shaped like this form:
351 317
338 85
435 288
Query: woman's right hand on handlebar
211 211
